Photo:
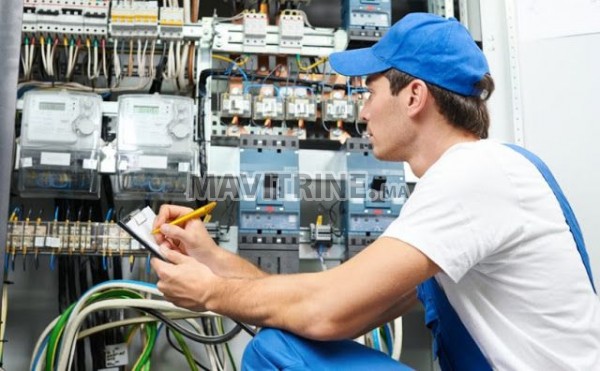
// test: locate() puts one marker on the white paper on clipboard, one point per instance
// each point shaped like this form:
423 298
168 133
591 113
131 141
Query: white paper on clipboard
139 225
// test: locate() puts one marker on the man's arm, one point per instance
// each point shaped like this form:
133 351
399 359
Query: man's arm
334 304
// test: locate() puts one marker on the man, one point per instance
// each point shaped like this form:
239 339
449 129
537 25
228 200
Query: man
510 290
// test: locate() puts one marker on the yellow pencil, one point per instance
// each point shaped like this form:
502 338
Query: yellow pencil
206 209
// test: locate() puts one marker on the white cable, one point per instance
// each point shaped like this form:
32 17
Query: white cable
24 60
104 69
96 66
397 350
186 11
72 327
43 57
39 342
139 57
51 58
116 63
69 53
182 67
144 58
153 67
89 61
135 320
31 57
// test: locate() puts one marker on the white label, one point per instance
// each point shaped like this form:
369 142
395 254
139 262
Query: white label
53 242
184 167
153 162
116 355
38 241
26 162
55 159
123 165
91 164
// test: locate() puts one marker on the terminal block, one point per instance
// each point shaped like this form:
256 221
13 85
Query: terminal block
138 19
291 30
268 107
236 104
300 106
171 23
255 29
336 109
320 235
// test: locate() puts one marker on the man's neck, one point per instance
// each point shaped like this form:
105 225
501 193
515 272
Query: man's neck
434 145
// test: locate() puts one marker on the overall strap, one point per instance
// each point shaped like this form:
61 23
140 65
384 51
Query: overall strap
564 205
452 344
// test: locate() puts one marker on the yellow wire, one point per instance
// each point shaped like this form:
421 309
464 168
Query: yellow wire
308 68
226 59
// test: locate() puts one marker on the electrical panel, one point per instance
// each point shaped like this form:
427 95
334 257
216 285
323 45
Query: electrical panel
367 19
60 142
156 153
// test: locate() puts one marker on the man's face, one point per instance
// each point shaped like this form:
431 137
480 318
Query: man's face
386 120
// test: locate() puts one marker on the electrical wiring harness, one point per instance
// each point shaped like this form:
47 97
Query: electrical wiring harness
55 348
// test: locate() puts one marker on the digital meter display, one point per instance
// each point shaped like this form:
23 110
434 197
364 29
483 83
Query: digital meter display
52 106
149 110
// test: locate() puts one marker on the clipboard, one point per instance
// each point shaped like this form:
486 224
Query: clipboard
138 224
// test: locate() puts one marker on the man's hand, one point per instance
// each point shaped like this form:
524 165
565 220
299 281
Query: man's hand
191 239
184 281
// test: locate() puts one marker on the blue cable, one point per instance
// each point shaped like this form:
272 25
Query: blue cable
108 214
148 266
52 264
38 355
375 336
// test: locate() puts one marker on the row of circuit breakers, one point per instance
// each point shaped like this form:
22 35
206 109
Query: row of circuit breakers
363 19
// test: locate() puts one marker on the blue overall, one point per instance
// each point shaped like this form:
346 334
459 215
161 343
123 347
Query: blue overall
275 349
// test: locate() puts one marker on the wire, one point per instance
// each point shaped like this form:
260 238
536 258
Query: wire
397 348
172 344
189 334
309 67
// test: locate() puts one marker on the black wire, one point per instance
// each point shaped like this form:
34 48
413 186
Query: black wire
174 346
193 335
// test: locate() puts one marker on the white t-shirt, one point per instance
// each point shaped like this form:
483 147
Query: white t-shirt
485 215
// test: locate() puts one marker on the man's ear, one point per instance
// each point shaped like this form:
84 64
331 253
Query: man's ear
418 95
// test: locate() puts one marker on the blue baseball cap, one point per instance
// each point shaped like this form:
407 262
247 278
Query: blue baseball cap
434 49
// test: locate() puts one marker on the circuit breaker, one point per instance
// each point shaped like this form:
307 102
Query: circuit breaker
375 192
367 19
269 214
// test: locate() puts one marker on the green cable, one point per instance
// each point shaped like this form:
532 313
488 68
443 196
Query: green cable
229 355
186 350
144 359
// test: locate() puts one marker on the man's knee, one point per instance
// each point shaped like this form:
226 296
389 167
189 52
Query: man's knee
270 349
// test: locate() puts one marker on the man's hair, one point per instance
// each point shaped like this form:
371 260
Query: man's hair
466 112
